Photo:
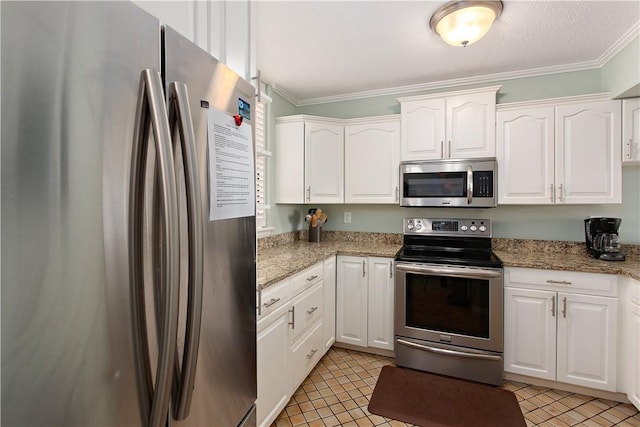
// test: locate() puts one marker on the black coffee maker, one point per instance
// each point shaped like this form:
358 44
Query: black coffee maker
601 236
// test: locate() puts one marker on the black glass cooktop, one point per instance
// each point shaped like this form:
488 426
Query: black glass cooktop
449 251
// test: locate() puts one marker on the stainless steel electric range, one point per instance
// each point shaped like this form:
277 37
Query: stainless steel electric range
449 300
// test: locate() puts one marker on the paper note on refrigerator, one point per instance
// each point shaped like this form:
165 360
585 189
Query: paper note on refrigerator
232 190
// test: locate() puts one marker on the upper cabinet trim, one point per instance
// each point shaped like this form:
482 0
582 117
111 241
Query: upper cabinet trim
454 93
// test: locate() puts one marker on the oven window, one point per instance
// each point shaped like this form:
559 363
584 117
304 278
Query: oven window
448 304
441 184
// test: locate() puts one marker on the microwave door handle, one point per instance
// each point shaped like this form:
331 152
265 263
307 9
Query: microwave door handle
469 184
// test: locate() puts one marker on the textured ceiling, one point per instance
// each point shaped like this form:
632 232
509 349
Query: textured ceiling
314 51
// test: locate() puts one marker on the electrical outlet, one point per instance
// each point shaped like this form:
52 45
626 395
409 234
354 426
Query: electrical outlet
347 217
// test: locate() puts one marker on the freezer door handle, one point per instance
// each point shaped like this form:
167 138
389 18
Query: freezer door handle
180 121
151 114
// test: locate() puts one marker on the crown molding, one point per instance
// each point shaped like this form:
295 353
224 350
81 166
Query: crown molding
616 48
565 100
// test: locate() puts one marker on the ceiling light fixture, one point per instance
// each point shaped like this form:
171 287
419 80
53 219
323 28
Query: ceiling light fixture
461 23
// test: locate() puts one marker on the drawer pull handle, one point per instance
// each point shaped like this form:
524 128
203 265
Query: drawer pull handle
314 277
293 317
559 282
313 309
310 355
271 302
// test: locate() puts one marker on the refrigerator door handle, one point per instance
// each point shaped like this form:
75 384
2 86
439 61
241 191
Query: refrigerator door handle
151 110
184 377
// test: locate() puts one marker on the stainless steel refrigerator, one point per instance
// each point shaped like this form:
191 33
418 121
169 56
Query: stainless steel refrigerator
128 250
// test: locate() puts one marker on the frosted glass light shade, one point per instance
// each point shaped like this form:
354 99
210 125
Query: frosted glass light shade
461 23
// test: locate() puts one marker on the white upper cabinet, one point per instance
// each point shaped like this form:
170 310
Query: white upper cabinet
309 155
631 130
422 129
372 152
588 165
448 125
525 153
222 28
559 152
324 163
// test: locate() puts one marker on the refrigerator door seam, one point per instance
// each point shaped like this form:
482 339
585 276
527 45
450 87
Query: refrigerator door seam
184 377
151 109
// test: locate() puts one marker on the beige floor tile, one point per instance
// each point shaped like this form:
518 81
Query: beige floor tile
338 390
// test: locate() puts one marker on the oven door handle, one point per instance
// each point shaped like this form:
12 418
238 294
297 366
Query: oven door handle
450 271
446 352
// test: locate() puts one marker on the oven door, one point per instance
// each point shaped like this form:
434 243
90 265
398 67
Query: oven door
453 305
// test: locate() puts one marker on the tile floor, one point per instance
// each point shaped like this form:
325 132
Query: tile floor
337 393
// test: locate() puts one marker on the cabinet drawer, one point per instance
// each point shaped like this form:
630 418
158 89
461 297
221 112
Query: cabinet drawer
307 308
274 297
306 354
307 278
565 281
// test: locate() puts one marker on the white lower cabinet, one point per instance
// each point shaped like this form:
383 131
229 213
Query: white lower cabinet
274 389
630 341
364 301
292 335
561 326
329 317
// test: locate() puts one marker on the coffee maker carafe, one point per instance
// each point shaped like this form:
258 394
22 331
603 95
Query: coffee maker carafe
601 236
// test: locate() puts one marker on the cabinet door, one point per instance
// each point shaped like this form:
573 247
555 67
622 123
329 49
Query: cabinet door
189 18
422 134
634 363
525 154
471 125
588 158
380 303
329 315
289 158
371 162
530 333
351 301
587 340
273 367
631 130
324 163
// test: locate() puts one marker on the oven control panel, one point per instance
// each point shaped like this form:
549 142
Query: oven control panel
447 227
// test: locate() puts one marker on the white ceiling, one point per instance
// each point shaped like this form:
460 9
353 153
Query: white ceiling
318 51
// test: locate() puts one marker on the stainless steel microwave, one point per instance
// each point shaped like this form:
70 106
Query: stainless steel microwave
468 183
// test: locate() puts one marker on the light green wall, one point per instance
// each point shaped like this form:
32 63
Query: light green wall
526 222
524 89
621 75
559 222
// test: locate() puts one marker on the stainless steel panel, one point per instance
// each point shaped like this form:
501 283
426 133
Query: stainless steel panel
70 75
474 365
466 166
225 385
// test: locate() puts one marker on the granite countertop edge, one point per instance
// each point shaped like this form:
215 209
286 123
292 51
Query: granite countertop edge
278 263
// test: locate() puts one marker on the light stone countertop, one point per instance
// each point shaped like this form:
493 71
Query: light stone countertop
277 263
278 260
567 256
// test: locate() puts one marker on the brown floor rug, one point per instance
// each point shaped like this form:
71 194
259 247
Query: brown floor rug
426 399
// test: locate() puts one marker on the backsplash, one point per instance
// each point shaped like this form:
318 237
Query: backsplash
330 236
512 245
